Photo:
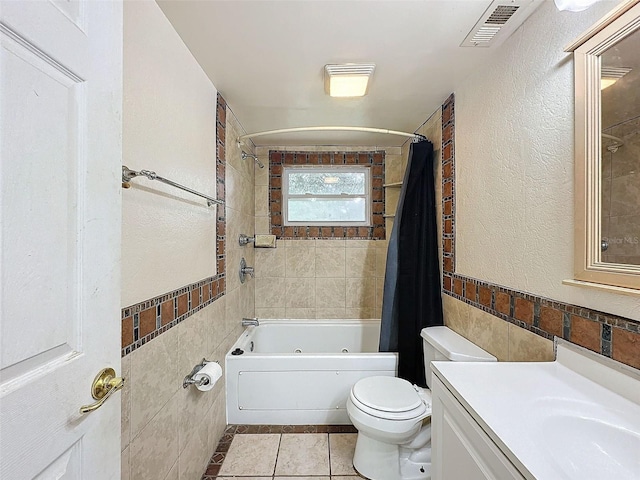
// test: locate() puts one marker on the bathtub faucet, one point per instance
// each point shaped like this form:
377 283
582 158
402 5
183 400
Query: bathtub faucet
246 322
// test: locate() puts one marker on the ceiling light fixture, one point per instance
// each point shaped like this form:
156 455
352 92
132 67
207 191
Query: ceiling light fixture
610 75
574 5
348 79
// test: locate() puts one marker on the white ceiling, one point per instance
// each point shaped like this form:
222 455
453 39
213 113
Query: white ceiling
266 58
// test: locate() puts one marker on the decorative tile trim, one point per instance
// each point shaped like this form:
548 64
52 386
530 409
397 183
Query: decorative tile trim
372 159
448 187
221 162
609 335
215 463
146 320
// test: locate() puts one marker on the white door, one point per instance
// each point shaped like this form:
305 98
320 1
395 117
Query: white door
60 134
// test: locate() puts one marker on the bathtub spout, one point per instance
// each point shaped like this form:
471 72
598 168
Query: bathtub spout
246 322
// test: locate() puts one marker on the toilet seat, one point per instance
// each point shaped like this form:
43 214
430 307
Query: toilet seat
389 398
392 416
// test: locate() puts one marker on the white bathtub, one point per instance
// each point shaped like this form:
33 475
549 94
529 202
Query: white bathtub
300 372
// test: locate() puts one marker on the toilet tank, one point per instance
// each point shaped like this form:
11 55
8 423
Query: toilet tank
443 344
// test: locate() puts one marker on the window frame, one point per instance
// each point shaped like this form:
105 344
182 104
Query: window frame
367 196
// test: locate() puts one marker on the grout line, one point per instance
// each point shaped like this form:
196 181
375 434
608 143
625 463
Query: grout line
329 448
275 465
235 432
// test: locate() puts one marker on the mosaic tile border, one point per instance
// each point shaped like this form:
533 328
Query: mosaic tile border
373 159
448 186
225 441
609 335
146 320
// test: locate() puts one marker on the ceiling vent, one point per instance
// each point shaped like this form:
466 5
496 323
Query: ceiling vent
499 21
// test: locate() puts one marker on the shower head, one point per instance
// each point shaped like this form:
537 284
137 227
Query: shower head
246 155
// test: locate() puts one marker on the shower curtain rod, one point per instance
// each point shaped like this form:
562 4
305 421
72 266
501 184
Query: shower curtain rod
415 136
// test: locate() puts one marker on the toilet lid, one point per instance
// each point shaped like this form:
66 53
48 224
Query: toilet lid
387 394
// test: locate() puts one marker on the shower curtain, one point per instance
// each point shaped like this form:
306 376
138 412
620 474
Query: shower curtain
412 296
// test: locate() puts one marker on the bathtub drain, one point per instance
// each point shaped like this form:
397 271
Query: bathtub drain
345 350
297 350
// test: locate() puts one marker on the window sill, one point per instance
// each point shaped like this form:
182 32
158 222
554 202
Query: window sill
600 286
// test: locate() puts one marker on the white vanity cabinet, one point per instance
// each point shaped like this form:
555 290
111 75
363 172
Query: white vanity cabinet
577 418
460 449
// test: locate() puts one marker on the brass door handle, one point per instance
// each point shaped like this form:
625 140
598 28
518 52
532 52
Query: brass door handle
104 385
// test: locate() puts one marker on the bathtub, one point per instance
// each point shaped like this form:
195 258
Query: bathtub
300 372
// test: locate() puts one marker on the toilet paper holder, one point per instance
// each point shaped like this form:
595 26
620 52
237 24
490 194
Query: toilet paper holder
189 380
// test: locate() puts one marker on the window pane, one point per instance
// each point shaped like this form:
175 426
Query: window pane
326 183
326 210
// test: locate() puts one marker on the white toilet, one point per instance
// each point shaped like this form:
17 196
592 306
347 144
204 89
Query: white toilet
393 417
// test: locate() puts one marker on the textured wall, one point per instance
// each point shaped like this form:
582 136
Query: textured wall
168 236
514 164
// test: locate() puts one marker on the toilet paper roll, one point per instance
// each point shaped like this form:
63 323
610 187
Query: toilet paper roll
212 371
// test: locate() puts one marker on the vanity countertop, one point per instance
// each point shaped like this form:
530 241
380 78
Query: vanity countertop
573 418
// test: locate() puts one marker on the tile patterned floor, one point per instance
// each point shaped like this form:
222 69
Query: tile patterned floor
280 452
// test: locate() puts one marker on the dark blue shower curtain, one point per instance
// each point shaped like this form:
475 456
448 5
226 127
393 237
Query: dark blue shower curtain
412 296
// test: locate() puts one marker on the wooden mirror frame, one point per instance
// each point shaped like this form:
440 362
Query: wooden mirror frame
588 267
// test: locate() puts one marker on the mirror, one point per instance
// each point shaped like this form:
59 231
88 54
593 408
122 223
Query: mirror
620 152
607 150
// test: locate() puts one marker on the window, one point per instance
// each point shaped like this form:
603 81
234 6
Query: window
326 196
